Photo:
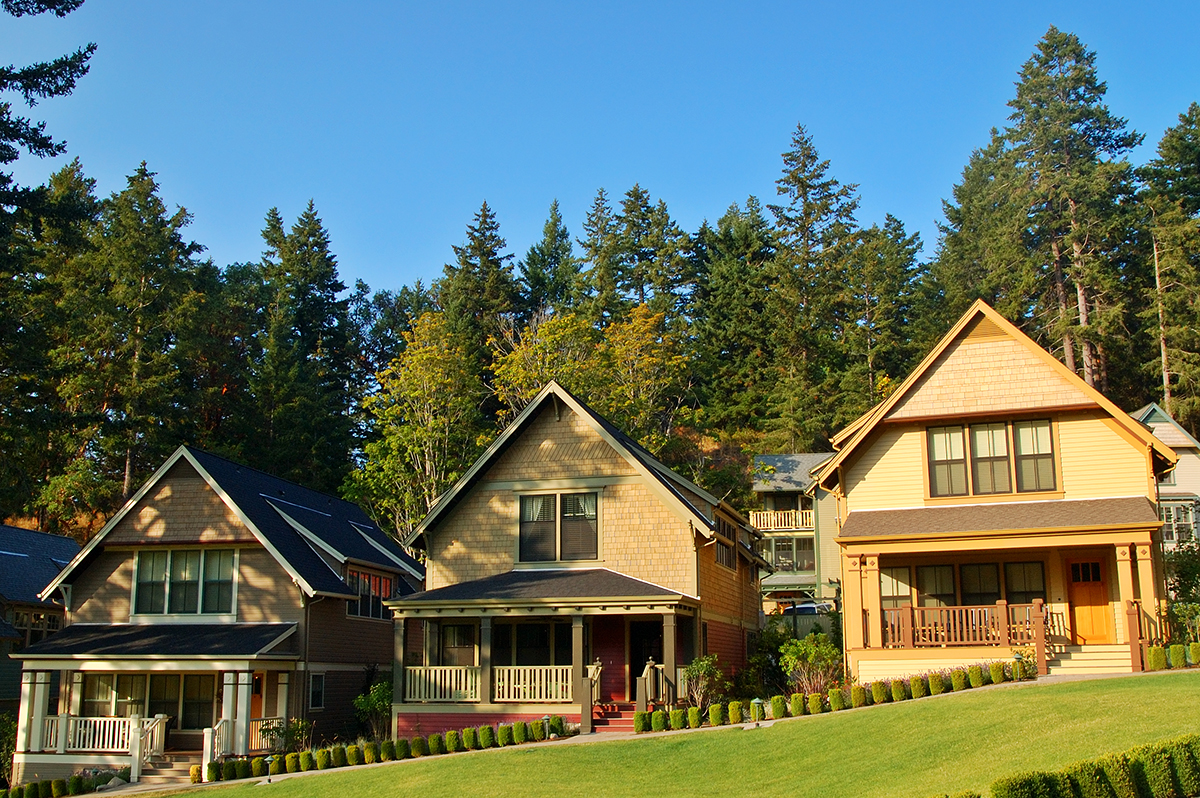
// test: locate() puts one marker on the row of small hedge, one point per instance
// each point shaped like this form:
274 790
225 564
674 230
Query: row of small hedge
1159 658
79 784
1168 769
337 756
837 699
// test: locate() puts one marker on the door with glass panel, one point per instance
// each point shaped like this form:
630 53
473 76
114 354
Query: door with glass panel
1087 593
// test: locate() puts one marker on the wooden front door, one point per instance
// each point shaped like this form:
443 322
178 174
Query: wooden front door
256 695
1087 593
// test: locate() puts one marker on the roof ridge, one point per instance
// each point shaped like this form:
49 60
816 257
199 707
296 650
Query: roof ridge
273 477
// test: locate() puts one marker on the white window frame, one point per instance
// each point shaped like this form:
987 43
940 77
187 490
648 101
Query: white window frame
199 616
558 561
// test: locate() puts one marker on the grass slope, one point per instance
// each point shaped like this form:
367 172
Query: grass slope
917 748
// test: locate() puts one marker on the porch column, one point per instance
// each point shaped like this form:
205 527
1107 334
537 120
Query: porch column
872 601
1147 591
669 658
1125 585
580 687
282 681
25 712
228 695
245 680
64 691
398 645
76 693
485 659
852 623
41 707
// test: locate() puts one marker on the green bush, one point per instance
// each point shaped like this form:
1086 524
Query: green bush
1119 775
1185 765
487 737
387 751
557 726
975 676
75 783
996 671
816 703
1087 780
735 712
879 693
353 755
1194 653
337 754
1156 658
293 762
436 744
958 680
837 699
658 720
418 747
937 683
278 765
470 738
538 728
778 707
758 711
258 767
403 749
520 733
58 788
321 760
1178 656
858 696
31 790
716 715
678 719
1034 784
796 704
370 753
213 772
242 767
898 691
641 722
453 742
102 778
228 770
1151 768
46 789
918 686
693 717
504 734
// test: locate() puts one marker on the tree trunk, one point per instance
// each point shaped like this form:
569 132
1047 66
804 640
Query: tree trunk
1162 330
1064 309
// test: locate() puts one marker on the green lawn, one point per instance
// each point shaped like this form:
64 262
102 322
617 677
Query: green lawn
917 748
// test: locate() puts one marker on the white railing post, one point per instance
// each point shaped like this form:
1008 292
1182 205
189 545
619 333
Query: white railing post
206 754
135 748
64 720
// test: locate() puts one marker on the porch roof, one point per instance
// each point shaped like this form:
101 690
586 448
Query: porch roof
162 640
1100 514
542 585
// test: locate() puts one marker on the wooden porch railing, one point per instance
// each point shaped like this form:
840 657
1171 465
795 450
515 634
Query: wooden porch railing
441 683
533 683
593 672
92 735
1000 624
774 520
259 741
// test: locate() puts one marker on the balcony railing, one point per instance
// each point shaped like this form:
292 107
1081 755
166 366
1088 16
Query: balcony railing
441 683
998 624
775 520
533 684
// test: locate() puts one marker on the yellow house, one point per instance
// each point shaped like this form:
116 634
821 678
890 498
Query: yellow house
996 504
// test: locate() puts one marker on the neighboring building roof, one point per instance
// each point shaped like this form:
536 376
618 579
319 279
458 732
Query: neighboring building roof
29 561
786 472
299 526
9 632
1164 427
162 640
532 585
1008 516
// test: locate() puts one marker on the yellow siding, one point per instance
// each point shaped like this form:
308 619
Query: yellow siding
890 473
1097 462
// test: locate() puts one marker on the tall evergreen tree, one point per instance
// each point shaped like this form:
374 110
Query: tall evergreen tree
550 271
602 301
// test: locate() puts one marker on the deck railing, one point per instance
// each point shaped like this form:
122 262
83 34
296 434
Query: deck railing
441 683
774 520
533 684
94 735
264 742
998 624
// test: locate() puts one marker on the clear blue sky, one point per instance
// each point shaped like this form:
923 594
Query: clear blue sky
399 119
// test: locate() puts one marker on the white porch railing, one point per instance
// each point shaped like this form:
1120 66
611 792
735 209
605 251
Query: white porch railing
259 741
533 684
441 683
772 520
154 737
222 738
94 735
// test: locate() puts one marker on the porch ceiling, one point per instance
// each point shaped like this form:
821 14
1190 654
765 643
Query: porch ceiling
206 640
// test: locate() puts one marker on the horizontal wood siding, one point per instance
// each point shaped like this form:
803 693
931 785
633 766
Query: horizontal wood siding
890 472
102 591
733 595
181 508
265 592
728 642
334 637
1097 462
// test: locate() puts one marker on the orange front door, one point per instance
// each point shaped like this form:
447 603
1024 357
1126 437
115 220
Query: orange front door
1088 596
256 695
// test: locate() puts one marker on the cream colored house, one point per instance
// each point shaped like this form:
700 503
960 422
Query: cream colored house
995 502
1179 488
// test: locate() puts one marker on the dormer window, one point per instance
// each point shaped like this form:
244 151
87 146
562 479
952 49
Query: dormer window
372 589
184 582
557 527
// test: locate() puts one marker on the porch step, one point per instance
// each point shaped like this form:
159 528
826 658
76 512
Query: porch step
613 717
170 768
1091 659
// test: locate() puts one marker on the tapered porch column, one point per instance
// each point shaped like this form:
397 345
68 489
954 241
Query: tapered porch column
1147 590
485 659
41 707
580 687
76 693
282 682
25 711
245 682
399 643
669 658
872 601
1125 585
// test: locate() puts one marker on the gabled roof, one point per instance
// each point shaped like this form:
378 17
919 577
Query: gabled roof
848 440
786 472
1164 427
666 483
302 528
30 560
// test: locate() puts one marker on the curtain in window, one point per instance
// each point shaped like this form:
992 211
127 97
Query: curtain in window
185 581
152 582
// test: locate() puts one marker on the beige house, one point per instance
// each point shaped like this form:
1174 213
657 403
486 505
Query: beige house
219 600
1178 488
561 564
996 503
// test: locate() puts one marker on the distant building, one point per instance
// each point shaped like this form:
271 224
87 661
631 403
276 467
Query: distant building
1179 488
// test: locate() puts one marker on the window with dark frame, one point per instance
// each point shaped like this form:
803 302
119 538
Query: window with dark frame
536 542
559 527
316 691
947 461
895 587
578 529
980 583
935 586
169 582
989 459
199 690
458 645
1024 582
372 590
1034 452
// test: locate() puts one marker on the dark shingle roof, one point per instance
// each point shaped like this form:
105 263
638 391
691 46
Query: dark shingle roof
162 639
9 632
30 560
932 521
786 472
575 583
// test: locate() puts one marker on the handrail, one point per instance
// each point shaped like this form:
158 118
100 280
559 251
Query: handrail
593 673
222 738
533 683
154 737
777 520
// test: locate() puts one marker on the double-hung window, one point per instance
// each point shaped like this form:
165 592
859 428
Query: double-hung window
980 583
562 527
184 582
1000 453
935 585
1035 455
989 458
947 462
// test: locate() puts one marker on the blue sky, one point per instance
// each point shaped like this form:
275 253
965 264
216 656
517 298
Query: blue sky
400 119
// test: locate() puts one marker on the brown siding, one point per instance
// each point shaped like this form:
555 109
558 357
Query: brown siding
102 591
735 596
728 642
265 592
181 508
334 637
337 719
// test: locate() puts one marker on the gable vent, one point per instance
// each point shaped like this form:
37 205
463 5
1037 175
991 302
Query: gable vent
984 329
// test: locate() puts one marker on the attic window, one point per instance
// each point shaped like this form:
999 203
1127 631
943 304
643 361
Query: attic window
372 590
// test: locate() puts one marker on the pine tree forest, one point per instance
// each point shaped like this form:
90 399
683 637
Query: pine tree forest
773 325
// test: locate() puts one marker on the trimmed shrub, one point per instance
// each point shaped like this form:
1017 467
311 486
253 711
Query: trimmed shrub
75 783
797 704
436 744
504 735
89 785
470 738
46 789
538 729
278 765
658 720
958 680
1119 775
213 772
996 671
31 790
242 768
387 751
370 753
735 712
837 699
337 754
816 703
487 737
1156 658
918 686
292 761
418 747
641 722
693 717
975 676
557 726
1178 656
858 696
1184 766
321 760
716 715
353 755
1087 780
58 788
898 691
228 770
758 711
1034 784
453 742
937 683
1151 768
521 733
880 693
258 767
778 707
403 749
1194 653
678 719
